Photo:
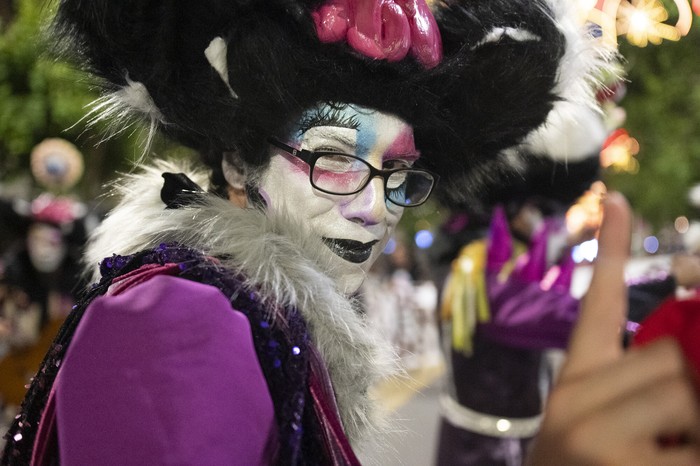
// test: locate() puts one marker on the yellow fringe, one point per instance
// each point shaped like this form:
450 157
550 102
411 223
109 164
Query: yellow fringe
465 300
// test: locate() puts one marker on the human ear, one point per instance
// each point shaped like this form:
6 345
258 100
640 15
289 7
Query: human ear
235 175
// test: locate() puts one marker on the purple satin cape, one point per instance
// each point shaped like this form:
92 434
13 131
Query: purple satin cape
151 379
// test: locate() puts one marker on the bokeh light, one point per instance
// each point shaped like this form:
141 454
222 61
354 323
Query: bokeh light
640 21
681 224
586 251
619 152
423 239
651 244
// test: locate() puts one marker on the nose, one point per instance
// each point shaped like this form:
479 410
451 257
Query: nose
368 207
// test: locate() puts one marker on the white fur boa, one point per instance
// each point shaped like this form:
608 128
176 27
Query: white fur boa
289 265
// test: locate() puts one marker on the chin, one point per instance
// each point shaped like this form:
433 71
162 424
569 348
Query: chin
351 282
349 276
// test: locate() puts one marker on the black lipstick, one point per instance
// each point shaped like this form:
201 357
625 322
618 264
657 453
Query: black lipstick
350 250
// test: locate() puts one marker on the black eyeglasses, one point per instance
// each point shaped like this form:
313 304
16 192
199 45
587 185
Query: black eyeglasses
343 174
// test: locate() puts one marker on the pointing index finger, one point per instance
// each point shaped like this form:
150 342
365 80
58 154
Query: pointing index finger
596 340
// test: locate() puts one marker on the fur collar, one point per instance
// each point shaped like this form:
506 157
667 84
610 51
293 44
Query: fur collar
290 266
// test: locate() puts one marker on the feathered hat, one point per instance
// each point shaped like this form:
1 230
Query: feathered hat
472 76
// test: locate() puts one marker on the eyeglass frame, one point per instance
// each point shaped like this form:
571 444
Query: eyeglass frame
310 158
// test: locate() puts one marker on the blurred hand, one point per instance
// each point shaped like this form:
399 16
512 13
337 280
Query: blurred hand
685 268
611 407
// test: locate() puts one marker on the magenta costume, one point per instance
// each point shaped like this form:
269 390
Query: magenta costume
493 398
533 307
157 349
163 319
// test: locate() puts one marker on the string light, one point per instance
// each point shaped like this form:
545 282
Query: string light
619 152
685 17
643 22
586 214
640 21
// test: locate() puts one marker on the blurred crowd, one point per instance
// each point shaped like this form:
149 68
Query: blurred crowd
41 239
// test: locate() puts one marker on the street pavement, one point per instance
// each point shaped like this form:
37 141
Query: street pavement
414 414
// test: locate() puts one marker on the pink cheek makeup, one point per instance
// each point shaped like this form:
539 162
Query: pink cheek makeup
403 145
299 165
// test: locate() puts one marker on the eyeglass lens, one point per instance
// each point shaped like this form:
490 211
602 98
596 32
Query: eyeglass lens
342 174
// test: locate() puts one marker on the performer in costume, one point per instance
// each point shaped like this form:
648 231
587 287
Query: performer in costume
222 329
41 268
507 300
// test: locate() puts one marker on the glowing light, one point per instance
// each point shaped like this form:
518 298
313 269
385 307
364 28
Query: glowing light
606 17
639 21
585 214
619 152
586 8
582 253
682 225
503 425
685 17
651 244
643 21
550 277
466 264
423 239
586 251
603 15
576 218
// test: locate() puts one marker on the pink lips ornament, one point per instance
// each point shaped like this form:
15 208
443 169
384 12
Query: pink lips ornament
382 29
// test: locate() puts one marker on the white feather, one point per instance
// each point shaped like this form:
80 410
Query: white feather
574 128
119 110
518 35
216 53
136 96
571 133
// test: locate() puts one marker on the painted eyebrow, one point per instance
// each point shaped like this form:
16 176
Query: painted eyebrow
411 156
343 139
328 116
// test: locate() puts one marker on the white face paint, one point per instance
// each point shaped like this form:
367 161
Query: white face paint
355 227
45 247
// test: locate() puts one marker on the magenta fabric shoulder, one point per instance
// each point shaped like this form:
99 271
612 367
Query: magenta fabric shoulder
524 315
164 373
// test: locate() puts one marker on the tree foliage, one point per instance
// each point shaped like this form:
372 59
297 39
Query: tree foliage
39 97
663 114
42 96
